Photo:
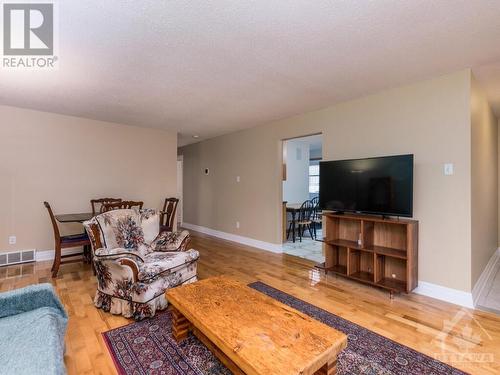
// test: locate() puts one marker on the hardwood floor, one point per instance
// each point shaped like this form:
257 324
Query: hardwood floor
424 324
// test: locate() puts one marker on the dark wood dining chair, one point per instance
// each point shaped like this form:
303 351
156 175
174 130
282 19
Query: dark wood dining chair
304 220
121 205
167 215
65 242
97 204
316 217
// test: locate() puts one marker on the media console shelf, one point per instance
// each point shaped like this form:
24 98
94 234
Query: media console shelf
373 250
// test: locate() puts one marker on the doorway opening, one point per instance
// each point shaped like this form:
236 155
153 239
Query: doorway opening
301 215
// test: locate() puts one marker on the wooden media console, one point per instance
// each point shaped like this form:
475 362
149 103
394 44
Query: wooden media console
373 250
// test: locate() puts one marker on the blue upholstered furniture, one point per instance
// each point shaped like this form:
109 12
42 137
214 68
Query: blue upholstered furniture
32 328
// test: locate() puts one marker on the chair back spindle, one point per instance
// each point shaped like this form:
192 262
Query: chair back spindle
121 205
98 204
168 214
306 211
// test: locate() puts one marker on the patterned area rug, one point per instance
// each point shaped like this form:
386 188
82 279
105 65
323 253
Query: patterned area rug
147 347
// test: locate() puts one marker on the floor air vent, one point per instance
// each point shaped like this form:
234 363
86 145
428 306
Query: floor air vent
17 257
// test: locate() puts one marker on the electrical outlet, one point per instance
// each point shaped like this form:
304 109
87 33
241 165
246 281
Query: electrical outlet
237 225
12 240
449 169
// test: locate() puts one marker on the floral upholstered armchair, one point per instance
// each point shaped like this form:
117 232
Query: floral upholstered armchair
135 263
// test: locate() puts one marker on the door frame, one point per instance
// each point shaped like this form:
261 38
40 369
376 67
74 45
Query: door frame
282 163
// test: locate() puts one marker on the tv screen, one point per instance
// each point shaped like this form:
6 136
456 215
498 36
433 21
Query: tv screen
382 185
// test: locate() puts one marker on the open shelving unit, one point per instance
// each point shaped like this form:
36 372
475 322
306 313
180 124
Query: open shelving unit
373 250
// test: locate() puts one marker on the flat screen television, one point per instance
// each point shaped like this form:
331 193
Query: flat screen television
381 186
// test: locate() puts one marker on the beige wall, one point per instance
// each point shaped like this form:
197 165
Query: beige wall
484 181
430 119
67 161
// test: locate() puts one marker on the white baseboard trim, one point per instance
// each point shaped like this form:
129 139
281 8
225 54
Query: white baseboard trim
454 296
44 255
275 248
458 297
483 280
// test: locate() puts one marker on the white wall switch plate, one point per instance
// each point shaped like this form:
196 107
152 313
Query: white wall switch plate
238 179
12 240
237 225
449 169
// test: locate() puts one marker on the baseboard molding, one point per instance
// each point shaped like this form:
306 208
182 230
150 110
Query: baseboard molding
454 296
274 248
44 255
458 297
482 282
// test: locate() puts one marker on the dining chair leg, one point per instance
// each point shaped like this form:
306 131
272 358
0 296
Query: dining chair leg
310 231
288 231
55 257
57 261
300 231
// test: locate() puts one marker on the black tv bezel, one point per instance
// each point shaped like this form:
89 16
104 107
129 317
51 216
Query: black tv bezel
409 215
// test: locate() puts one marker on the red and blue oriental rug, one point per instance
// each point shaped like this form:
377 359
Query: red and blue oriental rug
147 347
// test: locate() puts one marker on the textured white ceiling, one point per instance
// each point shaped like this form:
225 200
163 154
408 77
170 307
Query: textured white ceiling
212 67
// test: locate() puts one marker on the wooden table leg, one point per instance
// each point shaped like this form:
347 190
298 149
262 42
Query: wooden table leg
330 368
180 325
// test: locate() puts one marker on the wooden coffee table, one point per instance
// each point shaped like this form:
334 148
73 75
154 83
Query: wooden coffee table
252 333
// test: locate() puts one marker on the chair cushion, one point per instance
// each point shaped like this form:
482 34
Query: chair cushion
165 262
120 228
169 241
129 228
81 237
150 223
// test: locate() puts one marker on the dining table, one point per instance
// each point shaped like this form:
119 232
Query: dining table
74 218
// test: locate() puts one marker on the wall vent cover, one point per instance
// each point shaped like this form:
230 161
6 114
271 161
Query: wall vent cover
17 257
13 258
28 256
